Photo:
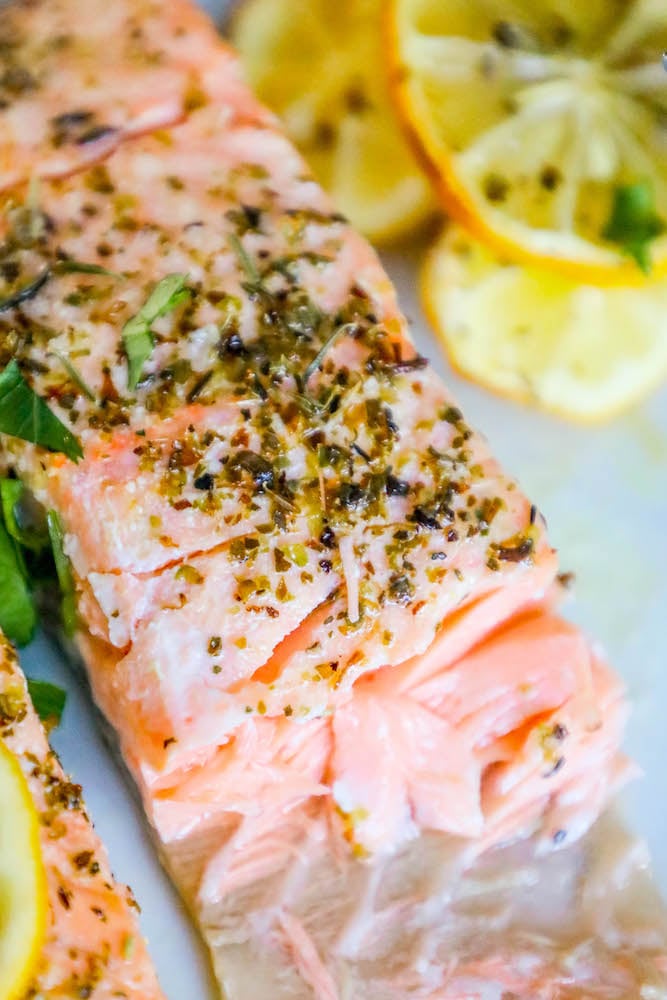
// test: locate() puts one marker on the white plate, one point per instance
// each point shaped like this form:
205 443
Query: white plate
604 493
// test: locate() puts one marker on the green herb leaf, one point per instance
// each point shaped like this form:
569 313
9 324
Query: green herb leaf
138 339
69 266
25 293
64 572
32 288
25 415
129 946
24 517
48 700
634 222
249 269
75 375
335 335
18 618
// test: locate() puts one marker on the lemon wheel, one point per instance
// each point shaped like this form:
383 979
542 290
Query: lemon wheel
323 71
543 124
537 336
23 898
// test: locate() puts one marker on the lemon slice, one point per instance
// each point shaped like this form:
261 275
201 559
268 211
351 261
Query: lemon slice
540 337
323 71
23 897
537 118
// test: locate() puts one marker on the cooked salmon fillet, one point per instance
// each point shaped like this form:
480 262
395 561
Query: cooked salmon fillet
94 946
310 601
76 79
281 539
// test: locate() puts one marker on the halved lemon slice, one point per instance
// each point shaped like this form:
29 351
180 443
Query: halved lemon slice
544 124
23 896
322 69
537 336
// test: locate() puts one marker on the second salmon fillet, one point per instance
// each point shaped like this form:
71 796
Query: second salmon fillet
93 946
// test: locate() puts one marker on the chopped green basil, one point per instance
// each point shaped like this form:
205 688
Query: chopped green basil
64 572
23 516
25 415
48 700
18 618
634 222
138 339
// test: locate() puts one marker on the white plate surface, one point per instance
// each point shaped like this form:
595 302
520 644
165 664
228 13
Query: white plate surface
604 494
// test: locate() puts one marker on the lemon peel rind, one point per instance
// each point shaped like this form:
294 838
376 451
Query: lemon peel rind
579 406
604 266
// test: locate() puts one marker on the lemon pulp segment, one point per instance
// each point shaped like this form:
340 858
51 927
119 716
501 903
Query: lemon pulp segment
540 337
23 899
322 68
533 116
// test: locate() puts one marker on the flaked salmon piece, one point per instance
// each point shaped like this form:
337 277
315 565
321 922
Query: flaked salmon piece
215 641
151 736
76 80
94 945
497 743
170 694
